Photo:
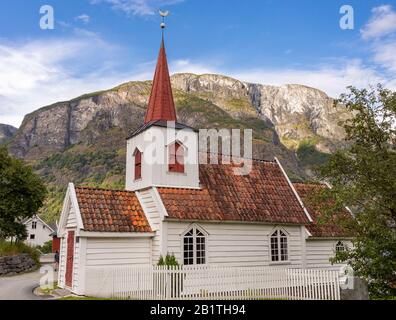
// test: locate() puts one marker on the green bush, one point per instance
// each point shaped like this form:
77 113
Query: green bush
46 247
14 248
170 261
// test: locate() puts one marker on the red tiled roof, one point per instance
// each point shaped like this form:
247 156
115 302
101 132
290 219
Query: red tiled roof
111 211
262 196
318 228
161 105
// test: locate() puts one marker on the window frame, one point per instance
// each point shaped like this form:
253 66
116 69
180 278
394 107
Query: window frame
34 225
177 167
195 229
137 166
340 244
279 254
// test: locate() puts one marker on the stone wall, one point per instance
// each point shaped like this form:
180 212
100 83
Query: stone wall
16 264
355 290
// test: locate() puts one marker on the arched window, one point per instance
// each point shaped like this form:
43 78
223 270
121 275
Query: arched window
340 247
279 246
194 247
138 164
176 157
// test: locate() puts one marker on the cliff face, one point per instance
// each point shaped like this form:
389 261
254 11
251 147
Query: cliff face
298 113
6 132
83 140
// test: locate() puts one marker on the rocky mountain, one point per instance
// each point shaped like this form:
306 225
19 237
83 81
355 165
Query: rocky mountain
83 140
6 132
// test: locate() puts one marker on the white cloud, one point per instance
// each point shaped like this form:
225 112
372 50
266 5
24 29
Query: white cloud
39 73
381 23
385 55
138 7
380 32
331 78
84 18
31 78
181 66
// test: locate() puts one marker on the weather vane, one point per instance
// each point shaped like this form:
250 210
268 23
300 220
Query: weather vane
163 14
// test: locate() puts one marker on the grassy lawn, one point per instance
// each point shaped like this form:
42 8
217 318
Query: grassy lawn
82 298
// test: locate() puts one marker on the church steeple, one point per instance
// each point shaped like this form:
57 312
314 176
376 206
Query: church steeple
161 105
172 159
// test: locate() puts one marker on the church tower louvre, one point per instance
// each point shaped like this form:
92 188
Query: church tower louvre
162 152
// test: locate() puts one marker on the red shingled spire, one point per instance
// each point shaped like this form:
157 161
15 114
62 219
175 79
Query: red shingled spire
161 105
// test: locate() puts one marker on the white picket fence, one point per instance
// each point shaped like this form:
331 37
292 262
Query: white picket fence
212 283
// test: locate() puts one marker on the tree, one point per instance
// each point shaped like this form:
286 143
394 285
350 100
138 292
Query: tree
21 195
363 178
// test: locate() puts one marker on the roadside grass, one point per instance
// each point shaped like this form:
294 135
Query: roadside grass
8 249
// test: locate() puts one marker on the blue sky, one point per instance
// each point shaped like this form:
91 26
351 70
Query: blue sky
97 44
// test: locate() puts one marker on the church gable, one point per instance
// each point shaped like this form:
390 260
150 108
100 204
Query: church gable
70 216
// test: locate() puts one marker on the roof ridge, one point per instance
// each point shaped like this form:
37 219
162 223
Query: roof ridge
240 157
103 189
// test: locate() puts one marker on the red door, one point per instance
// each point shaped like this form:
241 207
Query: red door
69 259
55 244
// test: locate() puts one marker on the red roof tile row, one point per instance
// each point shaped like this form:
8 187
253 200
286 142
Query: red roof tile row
111 211
262 196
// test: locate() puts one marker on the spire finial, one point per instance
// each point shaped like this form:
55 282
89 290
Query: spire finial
163 14
161 105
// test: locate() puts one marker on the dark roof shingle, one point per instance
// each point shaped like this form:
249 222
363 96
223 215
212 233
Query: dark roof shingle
111 211
262 196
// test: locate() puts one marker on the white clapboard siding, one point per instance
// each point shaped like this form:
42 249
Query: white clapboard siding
117 251
235 244
76 266
71 219
62 263
212 283
319 252
151 210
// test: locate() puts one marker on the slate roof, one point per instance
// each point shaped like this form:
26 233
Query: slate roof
319 228
262 196
111 211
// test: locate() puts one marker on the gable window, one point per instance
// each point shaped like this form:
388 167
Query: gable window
176 157
279 250
194 247
138 164
34 225
340 247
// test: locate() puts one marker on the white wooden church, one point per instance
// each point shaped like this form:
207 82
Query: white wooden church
204 214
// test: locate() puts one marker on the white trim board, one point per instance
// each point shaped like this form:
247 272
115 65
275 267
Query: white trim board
94 234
